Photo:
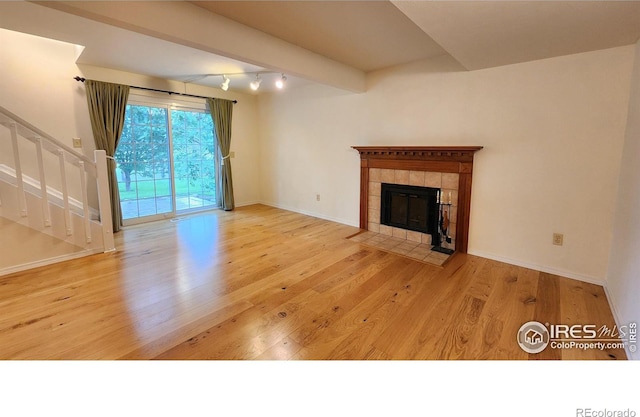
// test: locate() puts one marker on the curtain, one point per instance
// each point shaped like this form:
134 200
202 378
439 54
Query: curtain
107 104
221 113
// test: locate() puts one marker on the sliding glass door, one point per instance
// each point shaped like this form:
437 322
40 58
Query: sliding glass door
165 161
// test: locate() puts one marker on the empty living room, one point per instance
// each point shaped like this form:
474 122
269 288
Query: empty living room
320 195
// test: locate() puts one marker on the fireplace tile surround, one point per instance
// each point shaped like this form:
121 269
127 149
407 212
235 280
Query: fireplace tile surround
447 168
447 182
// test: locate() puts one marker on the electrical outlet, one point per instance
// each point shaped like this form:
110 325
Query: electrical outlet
77 143
558 239
317 197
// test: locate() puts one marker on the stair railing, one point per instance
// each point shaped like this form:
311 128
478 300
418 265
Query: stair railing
23 130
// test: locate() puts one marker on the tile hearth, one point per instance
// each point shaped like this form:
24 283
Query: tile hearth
416 250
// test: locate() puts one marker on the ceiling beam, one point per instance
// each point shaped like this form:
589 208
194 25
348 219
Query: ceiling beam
186 24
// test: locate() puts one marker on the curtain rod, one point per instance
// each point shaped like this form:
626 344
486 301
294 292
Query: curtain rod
81 79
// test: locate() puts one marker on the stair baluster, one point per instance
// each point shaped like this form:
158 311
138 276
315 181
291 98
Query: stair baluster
85 202
22 200
44 195
65 194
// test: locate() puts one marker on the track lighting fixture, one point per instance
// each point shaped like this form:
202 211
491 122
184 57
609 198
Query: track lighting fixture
280 82
225 83
256 83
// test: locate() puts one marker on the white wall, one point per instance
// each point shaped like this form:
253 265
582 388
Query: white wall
36 81
623 281
552 129
305 146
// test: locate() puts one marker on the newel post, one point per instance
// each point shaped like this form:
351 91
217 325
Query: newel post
104 201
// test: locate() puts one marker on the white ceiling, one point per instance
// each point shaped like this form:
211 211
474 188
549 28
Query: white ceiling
483 34
367 35
332 42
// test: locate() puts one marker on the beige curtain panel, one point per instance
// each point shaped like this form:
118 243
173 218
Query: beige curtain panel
221 113
107 104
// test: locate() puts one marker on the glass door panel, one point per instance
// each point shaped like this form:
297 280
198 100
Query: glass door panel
193 159
143 164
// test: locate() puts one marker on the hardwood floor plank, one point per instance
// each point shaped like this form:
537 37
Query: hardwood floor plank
267 304
522 310
365 320
574 311
247 335
326 328
461 329
283 350
511 301
423 321
547 311
599 313
373 317
434 336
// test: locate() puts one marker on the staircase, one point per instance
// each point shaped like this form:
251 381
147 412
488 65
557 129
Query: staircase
45 193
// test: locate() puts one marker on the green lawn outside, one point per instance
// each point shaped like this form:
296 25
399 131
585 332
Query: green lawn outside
160 188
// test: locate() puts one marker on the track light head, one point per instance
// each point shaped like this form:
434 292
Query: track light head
281 81
256 83
225 83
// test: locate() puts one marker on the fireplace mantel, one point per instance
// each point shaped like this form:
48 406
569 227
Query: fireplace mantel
445 159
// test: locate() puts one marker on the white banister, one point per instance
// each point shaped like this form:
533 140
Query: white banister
85 203
65 194
27 130
46 212
104 200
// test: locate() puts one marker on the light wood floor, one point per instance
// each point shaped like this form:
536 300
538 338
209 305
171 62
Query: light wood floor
263 283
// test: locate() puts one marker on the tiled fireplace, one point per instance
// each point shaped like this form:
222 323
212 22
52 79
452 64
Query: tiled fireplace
448 169
447 182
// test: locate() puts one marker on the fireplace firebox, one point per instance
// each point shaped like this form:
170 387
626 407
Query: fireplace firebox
409 207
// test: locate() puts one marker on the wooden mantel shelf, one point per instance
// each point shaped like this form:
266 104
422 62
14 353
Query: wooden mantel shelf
453 159
419 152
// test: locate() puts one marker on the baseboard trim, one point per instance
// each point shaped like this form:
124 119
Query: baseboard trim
619 323
49 261
310 213
249 203
542 268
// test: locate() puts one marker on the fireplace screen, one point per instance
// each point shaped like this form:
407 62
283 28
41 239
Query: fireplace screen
410 207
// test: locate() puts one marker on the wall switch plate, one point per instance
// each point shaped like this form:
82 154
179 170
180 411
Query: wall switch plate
232 154
77 143
317 197
558 239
